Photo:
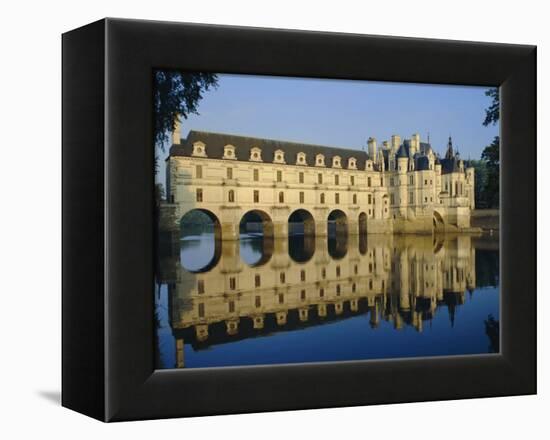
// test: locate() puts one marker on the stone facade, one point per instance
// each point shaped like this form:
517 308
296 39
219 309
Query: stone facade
402 187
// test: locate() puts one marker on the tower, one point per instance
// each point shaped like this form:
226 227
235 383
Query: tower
402 168
449 154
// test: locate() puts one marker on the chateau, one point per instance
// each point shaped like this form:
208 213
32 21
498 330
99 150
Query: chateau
401 186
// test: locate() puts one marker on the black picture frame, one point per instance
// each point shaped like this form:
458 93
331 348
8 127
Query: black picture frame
108 226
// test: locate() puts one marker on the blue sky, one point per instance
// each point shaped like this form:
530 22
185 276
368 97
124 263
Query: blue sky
345 113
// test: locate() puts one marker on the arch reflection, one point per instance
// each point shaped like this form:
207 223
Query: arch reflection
400 281
256 238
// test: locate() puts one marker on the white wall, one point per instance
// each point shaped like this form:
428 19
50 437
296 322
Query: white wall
30 223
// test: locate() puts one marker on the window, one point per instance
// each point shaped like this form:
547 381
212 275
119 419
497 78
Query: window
231 306
230 173
257 301
279 176
303 295
200 286
425 181
392 199
411 197
337 198
370 284
198 171
337 179
281 197
411 180
381 181
201 310
301 177
353 287
352 180
355 199
355 269
281 298
199 194
369 181
323 273
232 283
321 293
231 196
282 277
257 281
301 197
369 198
319 178
322 197
256 196
302 275
256 175
338 289
337 271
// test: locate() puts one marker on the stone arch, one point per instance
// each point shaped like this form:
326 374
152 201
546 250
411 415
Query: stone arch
193 224
257 228
305 219
362 223
337 222
258 218
301 235
337 228
438 222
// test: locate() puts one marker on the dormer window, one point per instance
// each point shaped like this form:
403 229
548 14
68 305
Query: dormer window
352 163
255 154
301 159
319 160
336 162
199 149
229 152
368 165
279 156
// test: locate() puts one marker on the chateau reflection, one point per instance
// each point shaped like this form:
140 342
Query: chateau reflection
306 281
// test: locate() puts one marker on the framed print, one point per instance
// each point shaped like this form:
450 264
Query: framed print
259 220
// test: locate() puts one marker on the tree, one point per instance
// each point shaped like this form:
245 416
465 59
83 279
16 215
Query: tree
177 94
491 156
491 153
480 174
492 114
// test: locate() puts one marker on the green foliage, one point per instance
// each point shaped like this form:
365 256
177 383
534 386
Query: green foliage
492 114
480 170
159 192
177 94
491 156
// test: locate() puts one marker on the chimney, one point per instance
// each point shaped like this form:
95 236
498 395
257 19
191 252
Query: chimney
176 134
395 142
415 144
372 148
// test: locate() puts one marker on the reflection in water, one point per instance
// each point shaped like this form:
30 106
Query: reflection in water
307 299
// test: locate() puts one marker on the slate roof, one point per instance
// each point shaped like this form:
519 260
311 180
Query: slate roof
215 143
449 165
422 163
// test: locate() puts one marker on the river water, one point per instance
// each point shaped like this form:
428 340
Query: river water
257 301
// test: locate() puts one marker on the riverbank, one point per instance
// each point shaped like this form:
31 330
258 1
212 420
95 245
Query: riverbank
486 219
